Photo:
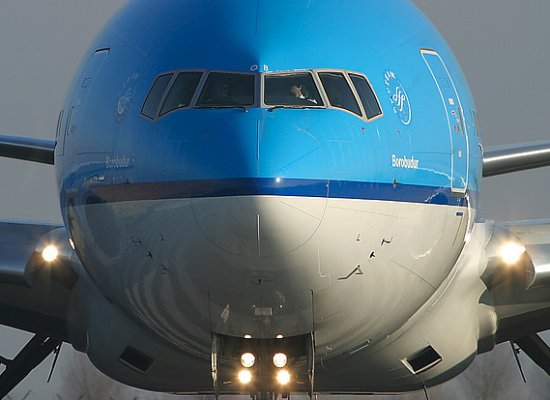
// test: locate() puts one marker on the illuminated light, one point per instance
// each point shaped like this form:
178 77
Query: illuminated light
278 180
50 253
247 360
280 336
280 360
245 376
511 252
72 244
283 377
247 336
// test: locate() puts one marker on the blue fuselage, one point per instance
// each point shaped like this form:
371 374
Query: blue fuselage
106 133
116 166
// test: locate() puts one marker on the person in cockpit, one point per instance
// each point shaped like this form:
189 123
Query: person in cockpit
301 93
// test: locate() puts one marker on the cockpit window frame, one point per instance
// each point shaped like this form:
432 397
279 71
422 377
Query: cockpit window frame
155 116
259 91
350 85
361 75
198 90
346 74
293 72
159 113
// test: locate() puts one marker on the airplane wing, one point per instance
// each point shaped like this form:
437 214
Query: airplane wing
521 295
34 293
520 292
29 149
507 159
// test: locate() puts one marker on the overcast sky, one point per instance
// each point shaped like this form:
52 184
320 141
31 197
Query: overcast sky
502 46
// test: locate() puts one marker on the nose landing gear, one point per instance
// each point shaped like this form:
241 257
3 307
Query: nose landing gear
264 368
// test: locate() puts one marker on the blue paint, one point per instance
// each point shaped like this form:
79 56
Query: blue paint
107 139
109 153
272 187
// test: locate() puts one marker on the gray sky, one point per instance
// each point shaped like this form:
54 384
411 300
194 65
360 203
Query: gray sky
41 45
502 46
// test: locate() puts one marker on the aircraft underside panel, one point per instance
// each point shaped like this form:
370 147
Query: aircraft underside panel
447 325
296 265
436 342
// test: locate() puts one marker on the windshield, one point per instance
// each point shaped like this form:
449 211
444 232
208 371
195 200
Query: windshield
291 90
182 91
338 91
188 89
227 90
367 96
155 95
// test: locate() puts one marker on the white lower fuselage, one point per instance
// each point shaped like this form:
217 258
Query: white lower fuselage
351 271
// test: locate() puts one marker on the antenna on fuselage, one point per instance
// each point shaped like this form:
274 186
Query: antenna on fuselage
426 393
516 351
56 352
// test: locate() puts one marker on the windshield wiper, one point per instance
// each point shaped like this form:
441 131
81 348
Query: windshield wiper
293 107
220 107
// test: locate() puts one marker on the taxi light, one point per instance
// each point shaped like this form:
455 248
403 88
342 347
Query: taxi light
283 377
247 360
245 376
511 252
50 253
280 360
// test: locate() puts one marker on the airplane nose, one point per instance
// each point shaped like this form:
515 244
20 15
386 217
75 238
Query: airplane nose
270 191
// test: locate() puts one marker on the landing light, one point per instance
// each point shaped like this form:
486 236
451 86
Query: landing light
280 360
50 253
511 252
283 377
247 360
245 376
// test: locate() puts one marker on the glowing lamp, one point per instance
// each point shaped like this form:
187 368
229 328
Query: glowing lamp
50 253
247 360
283 377
280 360
511 252
245 376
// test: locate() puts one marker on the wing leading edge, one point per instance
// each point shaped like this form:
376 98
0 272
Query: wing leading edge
29 149
34 293
507 159
520 292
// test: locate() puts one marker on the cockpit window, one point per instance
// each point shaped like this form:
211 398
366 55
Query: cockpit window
227 90
155 96
367 96
339 92
318 89
296 89
182 91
